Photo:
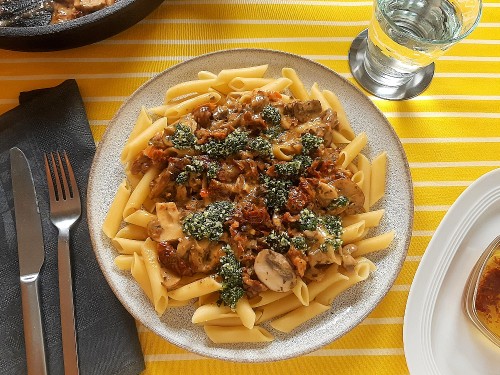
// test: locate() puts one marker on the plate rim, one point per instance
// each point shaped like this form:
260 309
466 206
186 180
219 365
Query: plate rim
417 345
387 124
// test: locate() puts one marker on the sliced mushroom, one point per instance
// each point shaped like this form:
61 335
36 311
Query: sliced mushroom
347 259
353 192
325 194
168 226
274 271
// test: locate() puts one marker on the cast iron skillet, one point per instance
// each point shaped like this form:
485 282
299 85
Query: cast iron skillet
81 31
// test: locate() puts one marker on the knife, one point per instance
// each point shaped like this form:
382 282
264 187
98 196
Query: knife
31 256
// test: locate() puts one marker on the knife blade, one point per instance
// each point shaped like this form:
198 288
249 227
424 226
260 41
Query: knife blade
31 255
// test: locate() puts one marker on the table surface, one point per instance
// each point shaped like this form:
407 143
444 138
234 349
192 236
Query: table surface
451 133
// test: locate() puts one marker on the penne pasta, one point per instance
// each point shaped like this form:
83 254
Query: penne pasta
191 104
371 218
248 84
140 274
353 232
227 75
133 232
372 244
349 153
245 313
210 312
124 262
297 87
301 292
140 218
140 193
139 143
200 86
279 85
126 246
377 182
114 216
298 316
318 95
360 272
344 125
153 269
196 289
365 167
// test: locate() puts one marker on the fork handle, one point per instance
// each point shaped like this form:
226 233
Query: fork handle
33 329
70 354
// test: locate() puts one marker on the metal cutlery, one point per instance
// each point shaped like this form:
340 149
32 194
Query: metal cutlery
65 209
31 257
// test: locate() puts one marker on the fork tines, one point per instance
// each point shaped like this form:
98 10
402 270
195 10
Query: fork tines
57 171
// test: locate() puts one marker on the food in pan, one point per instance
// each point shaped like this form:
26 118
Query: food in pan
30 13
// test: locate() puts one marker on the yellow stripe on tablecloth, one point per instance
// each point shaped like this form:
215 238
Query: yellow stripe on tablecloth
417 246
442 127
437 196
451 151
318 363
427 220
449 173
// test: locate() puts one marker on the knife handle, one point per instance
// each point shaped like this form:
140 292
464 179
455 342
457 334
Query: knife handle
33 329
70 351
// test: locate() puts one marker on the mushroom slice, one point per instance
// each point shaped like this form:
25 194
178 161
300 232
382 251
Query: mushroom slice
353 192
169 222
274 271
347 259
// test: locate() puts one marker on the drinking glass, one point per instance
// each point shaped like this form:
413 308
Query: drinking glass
394 58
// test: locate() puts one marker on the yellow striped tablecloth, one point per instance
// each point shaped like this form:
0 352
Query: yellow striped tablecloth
451 133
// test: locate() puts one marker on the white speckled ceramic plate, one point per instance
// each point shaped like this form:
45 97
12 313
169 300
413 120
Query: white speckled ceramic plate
352 306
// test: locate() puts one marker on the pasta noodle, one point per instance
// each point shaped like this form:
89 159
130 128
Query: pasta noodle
250 198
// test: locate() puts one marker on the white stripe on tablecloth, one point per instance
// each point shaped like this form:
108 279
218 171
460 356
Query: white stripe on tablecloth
98 122
444 114
261 40
451 140
450 97
230 40
454 164
76 76
183 21
92 59
379 321
400 288
413 258
432 208
318 353
150 74
441 183
273 2
355 352
467 75
480 41
422 233
449 58
489 24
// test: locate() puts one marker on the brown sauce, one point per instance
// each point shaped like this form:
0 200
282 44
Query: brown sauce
488 294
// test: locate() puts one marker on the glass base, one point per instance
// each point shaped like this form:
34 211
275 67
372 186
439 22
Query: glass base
415 86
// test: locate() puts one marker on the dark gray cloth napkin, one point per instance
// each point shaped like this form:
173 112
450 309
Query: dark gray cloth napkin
48 120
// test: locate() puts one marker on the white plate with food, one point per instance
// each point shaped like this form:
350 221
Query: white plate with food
258 179
438 336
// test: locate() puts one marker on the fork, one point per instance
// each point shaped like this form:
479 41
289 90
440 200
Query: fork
65 209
